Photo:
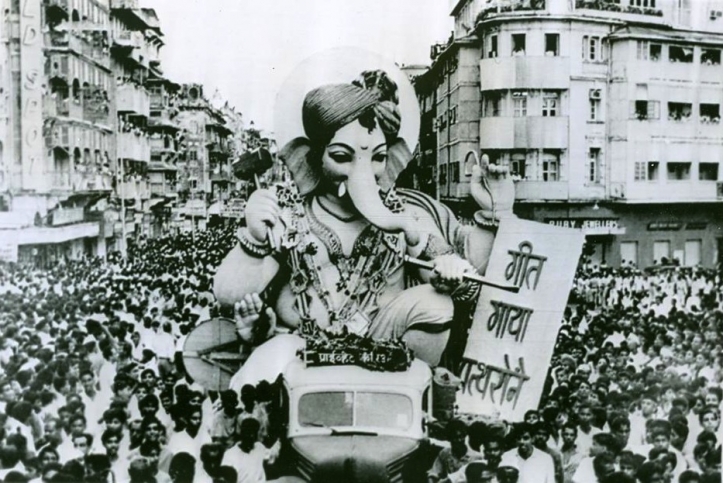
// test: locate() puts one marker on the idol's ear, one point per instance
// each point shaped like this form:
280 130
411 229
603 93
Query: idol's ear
398 156
295 155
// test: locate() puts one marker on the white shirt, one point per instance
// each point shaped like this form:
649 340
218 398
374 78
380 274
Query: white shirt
250 466
538 468
164 345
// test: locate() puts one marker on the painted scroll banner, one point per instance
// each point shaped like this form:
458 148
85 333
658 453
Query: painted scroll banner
513 335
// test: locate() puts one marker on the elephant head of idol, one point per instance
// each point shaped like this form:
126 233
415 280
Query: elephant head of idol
352 150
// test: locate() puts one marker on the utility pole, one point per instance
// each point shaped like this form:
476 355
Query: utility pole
124 250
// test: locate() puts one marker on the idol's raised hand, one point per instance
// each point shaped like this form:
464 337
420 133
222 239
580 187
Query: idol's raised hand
493 189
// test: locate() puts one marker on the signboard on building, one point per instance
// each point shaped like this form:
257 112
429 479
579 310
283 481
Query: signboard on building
31 95
590 226
66 216
513 334
234 208
8 252
665 226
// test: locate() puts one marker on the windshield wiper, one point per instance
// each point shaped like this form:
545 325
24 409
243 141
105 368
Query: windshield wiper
342 432
352 432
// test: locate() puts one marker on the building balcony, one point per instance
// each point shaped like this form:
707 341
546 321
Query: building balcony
92 107
219 149
134 147
124 4
615 11
131 189
692 129
530 132
161 146
525 72
79 182
667 191
163 190
91 47
531 191
691 73
161 166
133 99
510 6
161 120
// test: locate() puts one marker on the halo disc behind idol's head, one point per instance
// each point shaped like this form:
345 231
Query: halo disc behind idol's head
335 66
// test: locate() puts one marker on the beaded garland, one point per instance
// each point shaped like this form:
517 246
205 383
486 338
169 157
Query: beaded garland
362 275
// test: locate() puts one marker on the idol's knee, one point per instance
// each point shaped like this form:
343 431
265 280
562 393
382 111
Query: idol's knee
427 333
426 346
430 309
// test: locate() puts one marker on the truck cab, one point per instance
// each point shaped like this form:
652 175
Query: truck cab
347 423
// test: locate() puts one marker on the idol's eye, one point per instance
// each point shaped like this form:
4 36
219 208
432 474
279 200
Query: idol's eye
341 156
380 157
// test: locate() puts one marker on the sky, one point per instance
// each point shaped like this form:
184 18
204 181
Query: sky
247 48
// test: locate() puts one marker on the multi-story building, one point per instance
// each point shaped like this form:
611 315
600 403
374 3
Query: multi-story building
56 135
608 112
167 142
422 174
449 99
205 174
136 40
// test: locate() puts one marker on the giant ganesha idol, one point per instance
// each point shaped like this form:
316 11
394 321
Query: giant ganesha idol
326 253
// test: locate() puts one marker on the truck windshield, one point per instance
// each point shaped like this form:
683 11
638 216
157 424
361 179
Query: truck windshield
365 409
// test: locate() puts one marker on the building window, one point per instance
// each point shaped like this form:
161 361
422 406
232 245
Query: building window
443 175
678 171
708 171
642 50
519 104
592 48
453 115
661 250
492 46
518 165
518 44
550 104
692 252
679 111
648 51
677 53
629 253
492 106
454 171
593 157
710 57
643 3
193 183
552 45
193 155
550 167
594 109
647 171
710 113
644 110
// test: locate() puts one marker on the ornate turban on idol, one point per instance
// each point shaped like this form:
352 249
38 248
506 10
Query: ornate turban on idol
372 100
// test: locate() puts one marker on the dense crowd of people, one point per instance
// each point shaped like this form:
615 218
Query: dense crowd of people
92 389
634 392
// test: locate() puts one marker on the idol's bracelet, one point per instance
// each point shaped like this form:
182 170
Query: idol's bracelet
251 248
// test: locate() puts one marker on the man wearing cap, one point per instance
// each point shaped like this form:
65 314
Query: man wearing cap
535 466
